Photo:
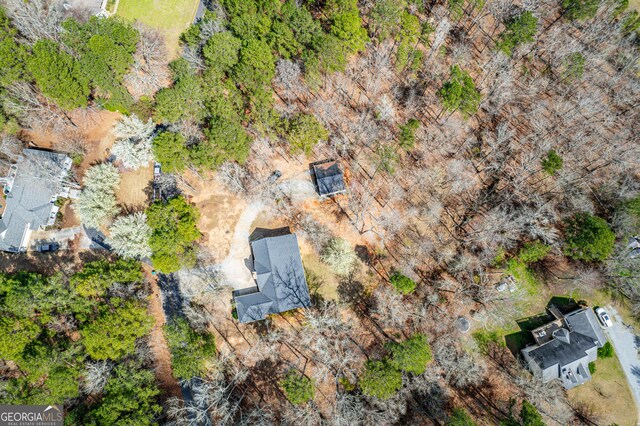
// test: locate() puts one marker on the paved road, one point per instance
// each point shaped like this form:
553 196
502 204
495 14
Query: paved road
625 341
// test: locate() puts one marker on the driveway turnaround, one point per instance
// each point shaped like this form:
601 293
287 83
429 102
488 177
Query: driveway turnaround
625 341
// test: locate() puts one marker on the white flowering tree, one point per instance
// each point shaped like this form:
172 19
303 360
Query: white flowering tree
131 127
129 236
97 202
133 145
339 255
132 154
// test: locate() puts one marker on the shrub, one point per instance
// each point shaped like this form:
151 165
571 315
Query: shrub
460 417
297 387
588 238
552 163
606 351
573 69
339 255
529 415
380 379
410 356
484 339
402 283
580 9
408 133
533 252
592 367
387 158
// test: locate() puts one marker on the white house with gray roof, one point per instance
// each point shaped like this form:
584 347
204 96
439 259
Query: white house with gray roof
565 346
280 281
31 189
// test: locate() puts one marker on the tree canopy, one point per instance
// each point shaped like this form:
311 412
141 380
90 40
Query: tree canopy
97 202
129 398
112 335
297 387
410 356
580 9
173 231
402 283
96 277
304 131
519 30
588 238
380 379
460 93
58 75
190 350
552 163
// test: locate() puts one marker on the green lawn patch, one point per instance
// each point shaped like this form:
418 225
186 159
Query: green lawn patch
171 17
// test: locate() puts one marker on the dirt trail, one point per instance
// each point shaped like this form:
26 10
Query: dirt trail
158 344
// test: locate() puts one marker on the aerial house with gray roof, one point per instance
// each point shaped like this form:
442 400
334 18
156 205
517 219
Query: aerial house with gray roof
329 178
565 346
280 281
31 189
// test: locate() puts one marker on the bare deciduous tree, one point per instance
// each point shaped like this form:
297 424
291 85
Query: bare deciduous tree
149 71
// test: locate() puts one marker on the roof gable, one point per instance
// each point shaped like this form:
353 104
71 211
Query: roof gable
280 278
584 321
38 179
329 178
558 352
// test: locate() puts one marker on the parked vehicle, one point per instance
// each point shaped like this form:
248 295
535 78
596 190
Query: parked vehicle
603 316
48 247
274 176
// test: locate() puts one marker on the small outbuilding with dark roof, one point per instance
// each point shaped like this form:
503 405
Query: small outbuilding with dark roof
329 178
280 281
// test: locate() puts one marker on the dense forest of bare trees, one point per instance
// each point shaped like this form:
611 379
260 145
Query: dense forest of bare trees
480 139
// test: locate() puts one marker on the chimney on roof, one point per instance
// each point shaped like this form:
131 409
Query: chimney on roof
562 334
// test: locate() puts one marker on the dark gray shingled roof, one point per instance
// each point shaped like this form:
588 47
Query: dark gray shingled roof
556 351
30 200
329 178
280 277
584 321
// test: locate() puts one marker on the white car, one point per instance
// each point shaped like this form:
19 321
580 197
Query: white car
603 316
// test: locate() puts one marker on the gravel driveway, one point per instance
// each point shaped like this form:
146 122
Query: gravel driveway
625 341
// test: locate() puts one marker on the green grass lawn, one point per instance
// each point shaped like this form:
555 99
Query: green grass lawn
314 266
608 394
171 17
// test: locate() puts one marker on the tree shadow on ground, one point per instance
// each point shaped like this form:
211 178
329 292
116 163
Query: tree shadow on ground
260 233
519 340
